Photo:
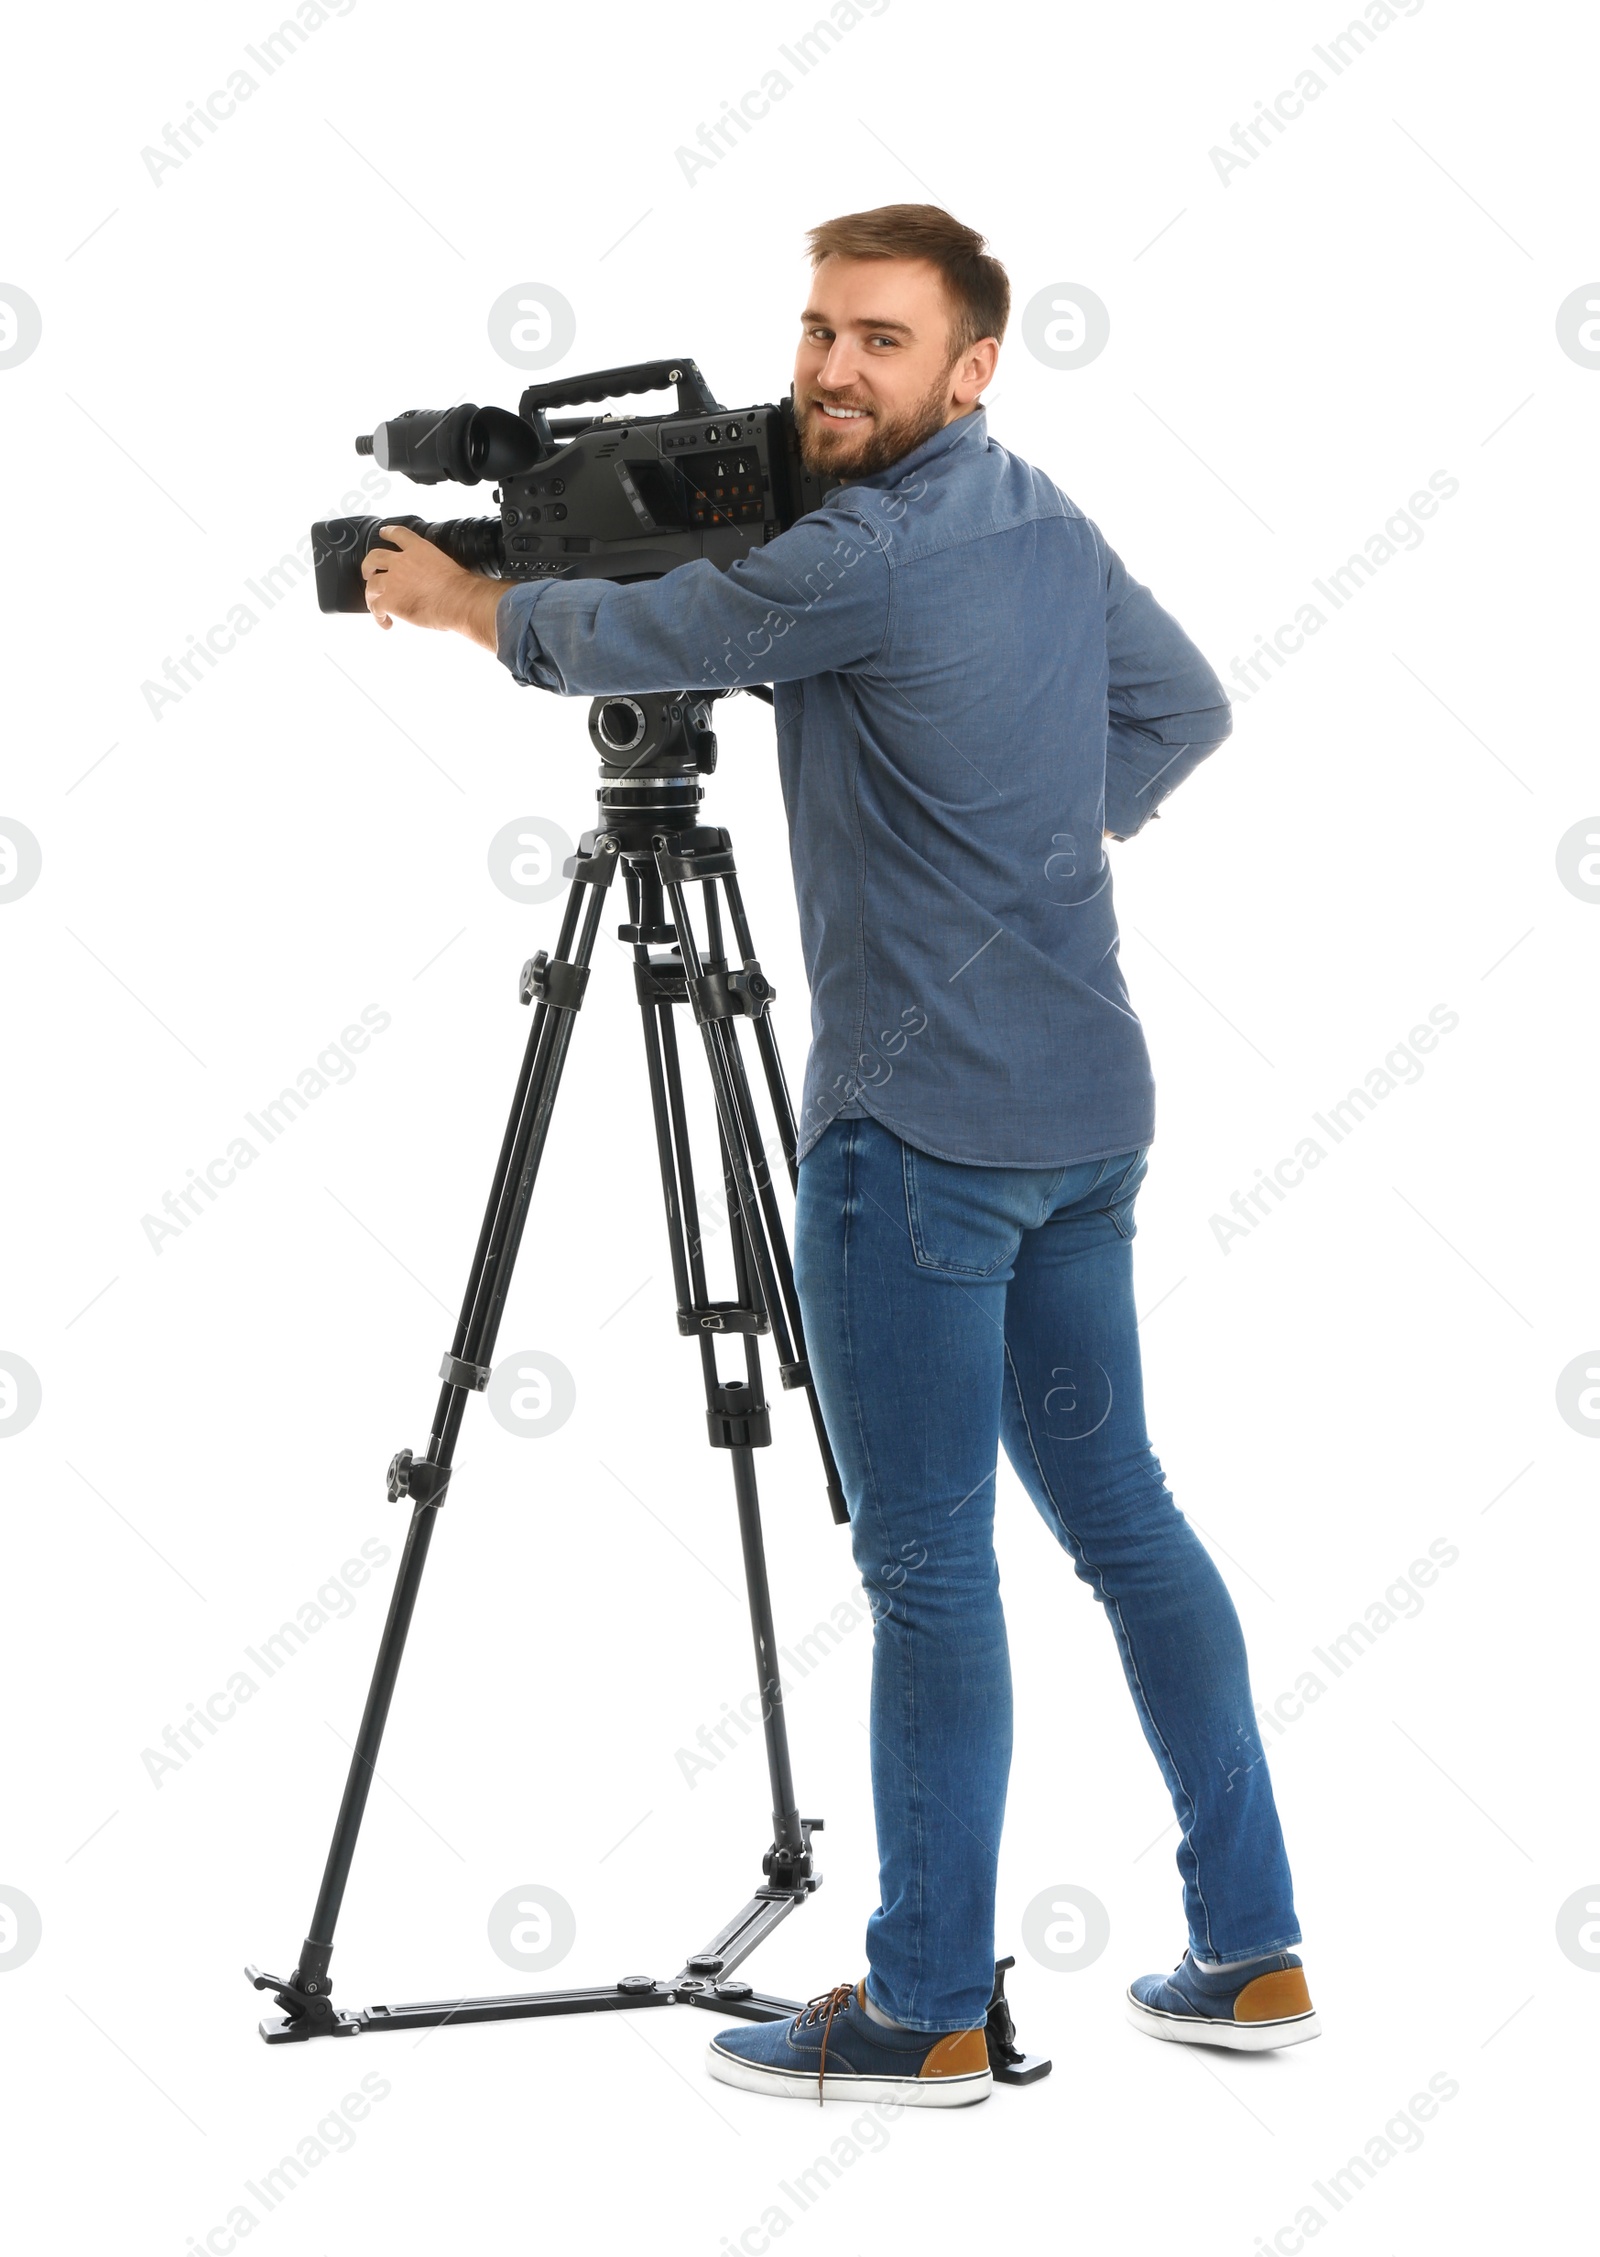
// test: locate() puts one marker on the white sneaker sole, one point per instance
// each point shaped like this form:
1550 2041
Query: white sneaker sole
910 2092
1242 2037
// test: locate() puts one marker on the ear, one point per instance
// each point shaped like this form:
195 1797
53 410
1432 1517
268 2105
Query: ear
975 371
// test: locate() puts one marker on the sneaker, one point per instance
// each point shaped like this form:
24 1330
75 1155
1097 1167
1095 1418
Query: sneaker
834 2050
1262 2004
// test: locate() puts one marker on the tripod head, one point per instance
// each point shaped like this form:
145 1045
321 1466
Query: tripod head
654 748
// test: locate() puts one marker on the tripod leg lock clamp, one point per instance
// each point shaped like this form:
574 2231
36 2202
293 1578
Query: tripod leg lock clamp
659 981
721 1316
417 1478
457 1372
559 984
737 1420
731 995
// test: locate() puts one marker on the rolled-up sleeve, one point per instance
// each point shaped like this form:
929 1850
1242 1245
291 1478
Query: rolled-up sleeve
814 601
1166 708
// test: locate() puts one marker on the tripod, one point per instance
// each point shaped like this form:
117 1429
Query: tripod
653 751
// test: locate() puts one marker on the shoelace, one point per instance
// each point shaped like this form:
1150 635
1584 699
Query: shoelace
822 2009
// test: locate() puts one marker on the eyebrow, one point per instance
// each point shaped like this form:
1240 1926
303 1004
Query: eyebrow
866 322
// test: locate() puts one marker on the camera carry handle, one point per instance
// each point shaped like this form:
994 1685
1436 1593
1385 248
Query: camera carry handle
695 396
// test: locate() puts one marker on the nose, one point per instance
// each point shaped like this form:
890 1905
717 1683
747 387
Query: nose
839 371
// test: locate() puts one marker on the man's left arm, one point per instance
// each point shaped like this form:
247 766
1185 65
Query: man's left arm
1166 709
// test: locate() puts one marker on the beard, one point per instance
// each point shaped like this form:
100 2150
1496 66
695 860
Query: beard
860 446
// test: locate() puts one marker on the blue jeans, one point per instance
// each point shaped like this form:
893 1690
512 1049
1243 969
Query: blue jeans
949 1307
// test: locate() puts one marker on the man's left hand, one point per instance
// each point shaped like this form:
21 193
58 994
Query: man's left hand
417 582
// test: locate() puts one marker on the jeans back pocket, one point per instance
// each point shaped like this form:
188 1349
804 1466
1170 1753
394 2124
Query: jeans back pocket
969 1220
1118 1201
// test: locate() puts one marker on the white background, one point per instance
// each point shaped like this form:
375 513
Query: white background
1292 353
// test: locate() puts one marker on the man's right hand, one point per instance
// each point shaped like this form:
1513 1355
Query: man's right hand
417 582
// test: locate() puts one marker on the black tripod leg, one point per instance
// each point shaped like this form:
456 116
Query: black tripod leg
733 1128
785 1810
751 1177
799 1371
766 1042
783 1113
790 1859
565 985
732 1413
559 984
508 1143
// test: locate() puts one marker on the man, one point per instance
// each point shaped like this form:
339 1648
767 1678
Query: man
969 689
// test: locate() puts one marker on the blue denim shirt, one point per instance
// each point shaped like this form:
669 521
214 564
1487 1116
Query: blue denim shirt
969 690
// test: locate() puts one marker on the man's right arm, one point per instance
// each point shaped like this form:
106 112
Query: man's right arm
813 601
1166 709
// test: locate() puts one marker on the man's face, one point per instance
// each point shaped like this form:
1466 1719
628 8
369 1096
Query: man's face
874 376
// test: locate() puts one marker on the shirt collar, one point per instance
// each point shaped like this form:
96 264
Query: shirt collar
969 430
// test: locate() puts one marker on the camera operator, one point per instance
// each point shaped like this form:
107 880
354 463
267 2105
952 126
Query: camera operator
969 691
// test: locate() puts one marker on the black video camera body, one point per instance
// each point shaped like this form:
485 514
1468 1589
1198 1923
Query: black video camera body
586 497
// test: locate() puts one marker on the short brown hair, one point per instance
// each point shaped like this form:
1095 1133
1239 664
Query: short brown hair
976 285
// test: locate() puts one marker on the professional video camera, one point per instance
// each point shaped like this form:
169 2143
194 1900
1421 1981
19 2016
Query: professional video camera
593 497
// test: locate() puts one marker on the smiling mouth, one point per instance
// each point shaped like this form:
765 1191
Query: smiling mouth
842 414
